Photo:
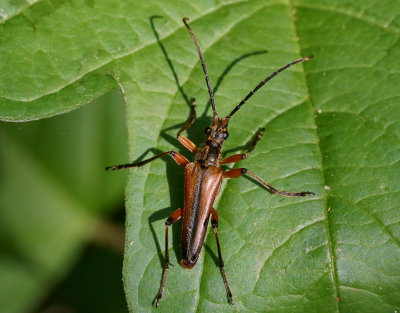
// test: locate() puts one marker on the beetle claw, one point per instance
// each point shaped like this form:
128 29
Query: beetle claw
158 297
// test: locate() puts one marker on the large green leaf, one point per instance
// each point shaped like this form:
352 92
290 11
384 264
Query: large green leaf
332 123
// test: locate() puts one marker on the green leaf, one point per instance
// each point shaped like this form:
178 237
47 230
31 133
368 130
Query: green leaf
331 127
330 122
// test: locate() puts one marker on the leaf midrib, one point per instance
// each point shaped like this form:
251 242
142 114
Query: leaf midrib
327 224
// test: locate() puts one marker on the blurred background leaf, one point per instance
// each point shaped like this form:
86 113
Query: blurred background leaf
54 199
331 127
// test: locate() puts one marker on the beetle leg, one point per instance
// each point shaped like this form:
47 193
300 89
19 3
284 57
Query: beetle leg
175 216
188 144
214 224
241 156
237 172
179 159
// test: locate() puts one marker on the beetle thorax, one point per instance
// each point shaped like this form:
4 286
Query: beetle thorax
210 153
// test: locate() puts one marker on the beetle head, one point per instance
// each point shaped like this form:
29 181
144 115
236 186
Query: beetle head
217 132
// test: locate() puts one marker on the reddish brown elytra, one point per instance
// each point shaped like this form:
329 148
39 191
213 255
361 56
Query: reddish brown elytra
203 178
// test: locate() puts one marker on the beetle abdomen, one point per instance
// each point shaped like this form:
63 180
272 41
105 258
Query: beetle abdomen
191 246
201 188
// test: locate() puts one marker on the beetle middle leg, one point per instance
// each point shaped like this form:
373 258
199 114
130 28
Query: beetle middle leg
214 224
175 216
241 156
178 158
187 143
237 172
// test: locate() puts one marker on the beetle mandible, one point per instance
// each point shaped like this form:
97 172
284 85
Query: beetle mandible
203 178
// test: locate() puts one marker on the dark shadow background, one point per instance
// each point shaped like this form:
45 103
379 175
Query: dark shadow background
94 284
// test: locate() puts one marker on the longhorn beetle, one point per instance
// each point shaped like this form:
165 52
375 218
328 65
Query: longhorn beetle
203 179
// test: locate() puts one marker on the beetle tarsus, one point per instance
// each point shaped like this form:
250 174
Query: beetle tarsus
214 224
114 167
161 290
227 287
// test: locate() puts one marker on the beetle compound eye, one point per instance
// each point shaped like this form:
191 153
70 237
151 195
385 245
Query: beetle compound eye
225 135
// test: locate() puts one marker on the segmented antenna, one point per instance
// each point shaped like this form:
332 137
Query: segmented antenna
264 82
203 64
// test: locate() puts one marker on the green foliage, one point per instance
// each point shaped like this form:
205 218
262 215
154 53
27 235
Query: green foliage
332 122
54 196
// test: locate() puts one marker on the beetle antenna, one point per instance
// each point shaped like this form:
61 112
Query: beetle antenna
203 64
264 82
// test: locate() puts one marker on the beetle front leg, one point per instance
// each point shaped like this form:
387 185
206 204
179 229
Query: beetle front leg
242 171
171 219
241 156
187 143
178 158
214 224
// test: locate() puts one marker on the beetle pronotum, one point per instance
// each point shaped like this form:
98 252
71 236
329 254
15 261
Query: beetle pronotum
203 179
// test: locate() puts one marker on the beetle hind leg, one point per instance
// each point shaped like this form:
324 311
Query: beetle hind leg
175 216
214 224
